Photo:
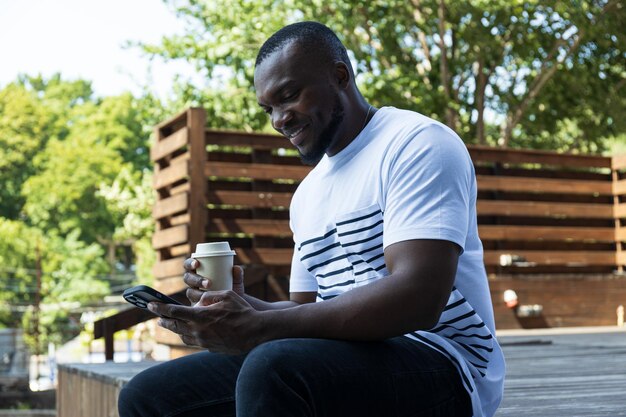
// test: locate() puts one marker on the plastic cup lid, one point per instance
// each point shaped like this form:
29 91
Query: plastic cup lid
213 249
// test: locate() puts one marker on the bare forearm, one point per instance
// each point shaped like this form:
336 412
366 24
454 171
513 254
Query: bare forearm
261 305
386 308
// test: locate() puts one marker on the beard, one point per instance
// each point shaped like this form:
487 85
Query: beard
324 140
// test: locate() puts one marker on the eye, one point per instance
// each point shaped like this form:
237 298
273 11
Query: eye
267 110
291 96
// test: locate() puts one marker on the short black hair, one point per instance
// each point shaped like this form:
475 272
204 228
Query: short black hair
314 38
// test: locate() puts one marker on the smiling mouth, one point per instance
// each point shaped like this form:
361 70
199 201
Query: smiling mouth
296 137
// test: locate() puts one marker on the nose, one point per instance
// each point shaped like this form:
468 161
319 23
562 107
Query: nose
280 118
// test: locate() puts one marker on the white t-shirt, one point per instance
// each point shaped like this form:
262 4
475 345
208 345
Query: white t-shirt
404 177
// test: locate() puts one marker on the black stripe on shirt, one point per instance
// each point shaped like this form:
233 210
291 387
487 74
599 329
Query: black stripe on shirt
488 349
327 248
370 260
445 326
483 337
473 352
351 232
317 239
356 242
327 297
459 318
341 284
335 272
455 304
370 269
338 258
478 366
367 216
364 251
329 261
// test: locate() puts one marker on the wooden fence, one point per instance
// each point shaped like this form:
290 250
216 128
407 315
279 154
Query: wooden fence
538 212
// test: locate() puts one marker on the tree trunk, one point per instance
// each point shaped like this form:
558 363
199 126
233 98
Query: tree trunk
450 118
479 98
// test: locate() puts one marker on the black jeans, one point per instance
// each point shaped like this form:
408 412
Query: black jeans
302 377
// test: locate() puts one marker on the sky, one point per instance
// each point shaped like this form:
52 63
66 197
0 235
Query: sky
85 39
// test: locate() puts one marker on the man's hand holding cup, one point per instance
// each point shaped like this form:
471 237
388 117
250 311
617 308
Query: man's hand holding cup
211 268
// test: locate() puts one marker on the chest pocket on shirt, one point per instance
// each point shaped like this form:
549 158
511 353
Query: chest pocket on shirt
360 233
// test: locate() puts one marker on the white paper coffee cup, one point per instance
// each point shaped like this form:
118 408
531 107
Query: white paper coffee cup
216 264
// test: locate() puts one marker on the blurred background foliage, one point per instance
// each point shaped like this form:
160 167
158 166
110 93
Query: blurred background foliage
75 175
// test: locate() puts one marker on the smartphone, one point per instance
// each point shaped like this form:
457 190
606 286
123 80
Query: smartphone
141 295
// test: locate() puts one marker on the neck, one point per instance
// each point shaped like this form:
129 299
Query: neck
354 122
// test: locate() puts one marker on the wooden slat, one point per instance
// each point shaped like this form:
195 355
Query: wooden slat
478 153
620 210
619 187
554 233
618 162
543 185
271 257
171 205
180 158
170 237
570 258
171 285
250 198
169 268
174 120
169 145
255 171
178 189
261 227
620 234
184 218
252 140
167 176
621 258
120 321
180 250
544 209
518 156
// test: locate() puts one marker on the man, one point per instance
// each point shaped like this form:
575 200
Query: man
390 313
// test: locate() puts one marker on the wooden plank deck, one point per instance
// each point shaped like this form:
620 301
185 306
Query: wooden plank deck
557 372
564 372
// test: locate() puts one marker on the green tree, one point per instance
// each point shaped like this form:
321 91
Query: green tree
499 72
33 110
130 199
62 197
75 210
70 273
117 123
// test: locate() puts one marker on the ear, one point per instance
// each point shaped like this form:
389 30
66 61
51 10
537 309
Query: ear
342 74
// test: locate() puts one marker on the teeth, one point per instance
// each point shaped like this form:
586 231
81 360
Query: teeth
296 133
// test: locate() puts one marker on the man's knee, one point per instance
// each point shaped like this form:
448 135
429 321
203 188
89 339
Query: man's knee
138 395
268 359
273 380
